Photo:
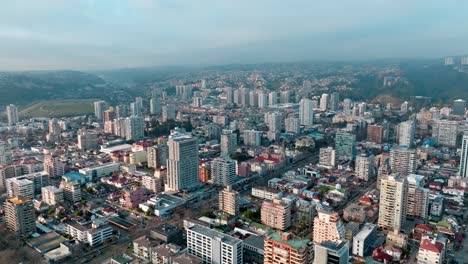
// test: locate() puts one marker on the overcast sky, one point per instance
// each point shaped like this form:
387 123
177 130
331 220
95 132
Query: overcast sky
103 34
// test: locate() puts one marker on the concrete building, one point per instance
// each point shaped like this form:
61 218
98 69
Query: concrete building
182 163
273 120
157 156
392 210
364 168
406 132
19 216
444 133
344 145
375 133
99 108
403 160
213 246
292 125
12 114
53 165
284 248
87 139
431 251
20 187
464 158
99 171
336 252
52 195
223 171
152 184
324 102
168 112
5 154
229 201
327 226
252 138
327 157
228 142
459 106
276 214
266 193
94 234
363 241
71 190
334 101
417 197
306 112
155 106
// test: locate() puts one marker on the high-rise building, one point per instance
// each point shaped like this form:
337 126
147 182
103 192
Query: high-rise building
52 195
334 101
213 246
19 216
228 142
459 107
272 98
417 197
284 248
12 114
464 60
276 214
375 133
449 61
121 111
182 163
273 120
108 115
5 153
20 187
168 112
406 132
364 168
347 106
157 155
229 201
223 171
403 160
253 98
324 102
229 96
87 139
464 158
134 128
135 109
336 252
327 226
53 165
292 125
327 157
262 99
99 107
71 190
404 107
392 209
155 106
344 145
306 112
252 138
444 133
364 240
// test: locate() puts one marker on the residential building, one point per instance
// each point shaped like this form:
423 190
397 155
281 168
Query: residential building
266 193
87 139
252 138
464 158
306 112
20 187
71 190
344 145
223 171
375 133
459 105
444 133
99 171
327 157
157 155
99 108
334 101
364 167
229 201
94 233
431 251
12 114
363 241
406 132
336 252
53 165
5 153
52 195
19 216
228 142
155 106
168 112
403 160
283 248
324 102
152 184
276 214
327 226
392 210
417 197
292 125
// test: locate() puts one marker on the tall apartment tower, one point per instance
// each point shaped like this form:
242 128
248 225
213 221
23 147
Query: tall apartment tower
403 160
344 145
168 112
292 125
364 168
273 121
324 102
99 107
459 107
328 226
276 214
228 142
406 132
392 210
252 138
444 133
334 101
182 163
134 128
283 247
19 216
5 153
306 112
12 114
155 106
53 165
229 201
464 158
157 156
417 197
86 139
223 171
327 157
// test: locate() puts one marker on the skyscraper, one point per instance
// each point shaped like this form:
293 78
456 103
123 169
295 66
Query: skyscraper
334 101
347 106
327 226
273 120
262 99
12 114
168 112
5 153
135 109
344 145
19 216
444 133
155 106
134 128
306 112
223 171
327 157
375 133
228 142
252 138
292 125
464 158
229 201
459 107
324 102
417 197
182 163
406 133
99 107
392 210
403 160
272 98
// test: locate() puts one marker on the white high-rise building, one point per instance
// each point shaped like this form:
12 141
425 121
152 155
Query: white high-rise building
273 120
223 171
272 98
334 101
444 133
406 132
12 114
364 168
182 163
252 138
306 112
464 60
228 142
292 125
52 195
347 106
324 102
5 154
392 210
86 139
155 106
403 160
464 158
213 246
99 108
262 99
364 240
229 201
327 157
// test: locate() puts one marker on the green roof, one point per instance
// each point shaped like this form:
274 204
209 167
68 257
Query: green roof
295 242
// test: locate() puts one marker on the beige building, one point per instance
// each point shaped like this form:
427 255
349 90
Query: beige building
19 216
152 183
53 165
431 251
392 211
276 214
229 201
328 227
364 168
52 195
283 248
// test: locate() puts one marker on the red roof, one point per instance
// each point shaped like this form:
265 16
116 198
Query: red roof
366 200
431 245
424 228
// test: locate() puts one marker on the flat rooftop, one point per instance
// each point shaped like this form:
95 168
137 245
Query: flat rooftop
215 234
295 242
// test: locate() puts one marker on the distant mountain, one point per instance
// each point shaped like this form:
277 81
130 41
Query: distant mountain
26 87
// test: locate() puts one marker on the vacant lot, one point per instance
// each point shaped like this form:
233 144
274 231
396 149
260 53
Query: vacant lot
59 108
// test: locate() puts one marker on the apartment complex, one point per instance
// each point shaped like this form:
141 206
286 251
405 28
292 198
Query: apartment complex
327 226
229 201
392 211
19 216
282 247
276 214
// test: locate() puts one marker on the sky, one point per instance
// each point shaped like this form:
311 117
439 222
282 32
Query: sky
108 34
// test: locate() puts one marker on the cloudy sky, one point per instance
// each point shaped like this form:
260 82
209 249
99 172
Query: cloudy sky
104 34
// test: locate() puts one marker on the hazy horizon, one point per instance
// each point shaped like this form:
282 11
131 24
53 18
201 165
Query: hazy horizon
106 34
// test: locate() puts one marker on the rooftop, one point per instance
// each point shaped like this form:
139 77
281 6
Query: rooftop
365 231
215 234
255 241
295 242
18 200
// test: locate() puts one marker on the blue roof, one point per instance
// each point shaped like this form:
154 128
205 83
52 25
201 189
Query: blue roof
75 176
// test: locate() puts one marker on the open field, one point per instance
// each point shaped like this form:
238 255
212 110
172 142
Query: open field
59 108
